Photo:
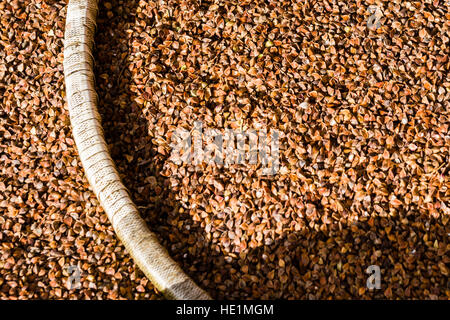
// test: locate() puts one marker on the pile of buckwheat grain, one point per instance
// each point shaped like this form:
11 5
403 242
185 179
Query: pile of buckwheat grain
363 116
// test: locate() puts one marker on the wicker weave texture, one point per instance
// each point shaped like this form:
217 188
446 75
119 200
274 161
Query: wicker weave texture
100 170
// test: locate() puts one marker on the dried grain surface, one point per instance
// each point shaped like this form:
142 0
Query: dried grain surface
364 162
49 218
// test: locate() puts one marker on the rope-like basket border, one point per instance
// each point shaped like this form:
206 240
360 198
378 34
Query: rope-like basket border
98 165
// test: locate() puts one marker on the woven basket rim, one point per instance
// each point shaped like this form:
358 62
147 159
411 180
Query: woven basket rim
142 244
